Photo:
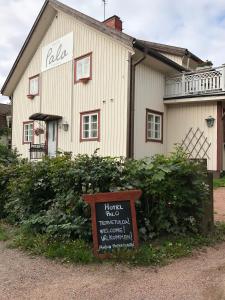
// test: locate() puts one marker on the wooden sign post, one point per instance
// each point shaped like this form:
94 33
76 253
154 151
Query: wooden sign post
114 224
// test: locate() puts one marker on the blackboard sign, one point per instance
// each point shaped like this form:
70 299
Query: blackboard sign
114 224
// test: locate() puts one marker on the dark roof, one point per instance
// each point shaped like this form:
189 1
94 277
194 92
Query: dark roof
44 117
171 50
5 109
129 40
144 47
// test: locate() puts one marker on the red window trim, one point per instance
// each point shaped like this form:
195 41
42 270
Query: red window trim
24 123
30 78
75 67
97 111
146 127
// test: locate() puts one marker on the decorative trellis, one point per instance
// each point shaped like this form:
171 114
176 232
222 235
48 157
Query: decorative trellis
196 145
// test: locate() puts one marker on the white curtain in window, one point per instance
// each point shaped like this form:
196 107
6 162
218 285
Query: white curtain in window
83 68
34 86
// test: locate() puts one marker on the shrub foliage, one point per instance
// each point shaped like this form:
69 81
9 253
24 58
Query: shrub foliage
46 196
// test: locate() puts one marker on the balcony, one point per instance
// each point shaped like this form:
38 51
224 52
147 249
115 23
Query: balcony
199 83
37 151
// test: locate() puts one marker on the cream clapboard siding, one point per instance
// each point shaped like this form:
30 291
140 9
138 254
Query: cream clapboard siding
149 92
183 61
181 117
223 139
107 91
175 58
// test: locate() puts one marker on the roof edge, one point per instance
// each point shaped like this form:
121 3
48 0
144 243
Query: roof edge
120 36
24 46
142 47
164 48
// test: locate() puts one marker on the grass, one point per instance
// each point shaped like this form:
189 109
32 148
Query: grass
220 182
3 235
156 253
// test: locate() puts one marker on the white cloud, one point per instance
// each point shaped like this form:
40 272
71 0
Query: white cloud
198 25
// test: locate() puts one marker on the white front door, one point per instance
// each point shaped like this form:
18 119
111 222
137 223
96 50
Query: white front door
52 138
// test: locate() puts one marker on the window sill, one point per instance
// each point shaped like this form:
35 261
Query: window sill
31 96
90 140
25 143
154 141
84 80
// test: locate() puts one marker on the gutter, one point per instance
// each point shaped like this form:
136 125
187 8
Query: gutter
133 65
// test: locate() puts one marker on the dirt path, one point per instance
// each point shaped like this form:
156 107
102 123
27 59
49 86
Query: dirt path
198 277
219 204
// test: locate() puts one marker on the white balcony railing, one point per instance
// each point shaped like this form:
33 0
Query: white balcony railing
209 81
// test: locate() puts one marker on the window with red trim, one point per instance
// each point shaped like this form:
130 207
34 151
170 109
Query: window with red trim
154 126
83 67
90 126
28 128
34 85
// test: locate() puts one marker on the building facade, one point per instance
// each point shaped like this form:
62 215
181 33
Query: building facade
79 85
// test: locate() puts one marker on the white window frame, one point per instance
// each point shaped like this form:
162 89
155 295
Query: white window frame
151 133
34 85
90 130
28 132
83 63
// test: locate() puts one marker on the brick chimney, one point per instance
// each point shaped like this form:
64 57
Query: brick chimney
114 22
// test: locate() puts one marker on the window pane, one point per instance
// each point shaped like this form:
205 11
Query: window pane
94 134
34 86
86 134
150 118
157 127
78 70
83 67
157 135
86 67
86 119
94 118
157 119
150 126
94 126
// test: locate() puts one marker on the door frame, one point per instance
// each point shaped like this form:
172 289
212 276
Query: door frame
47 133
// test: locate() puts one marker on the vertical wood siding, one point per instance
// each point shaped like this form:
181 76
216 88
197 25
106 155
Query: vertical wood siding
181 117
175 58
149 92
59 95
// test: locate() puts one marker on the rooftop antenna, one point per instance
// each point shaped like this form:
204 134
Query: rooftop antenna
104 3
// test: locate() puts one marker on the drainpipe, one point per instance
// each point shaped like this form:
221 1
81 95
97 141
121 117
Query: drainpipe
133 66
11 100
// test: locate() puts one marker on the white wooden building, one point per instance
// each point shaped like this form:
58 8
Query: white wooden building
79 84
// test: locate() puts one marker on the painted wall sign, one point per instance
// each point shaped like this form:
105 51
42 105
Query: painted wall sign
114 223
58 52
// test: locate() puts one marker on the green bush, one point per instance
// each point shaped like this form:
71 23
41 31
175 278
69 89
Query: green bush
46 196
174 189
7 156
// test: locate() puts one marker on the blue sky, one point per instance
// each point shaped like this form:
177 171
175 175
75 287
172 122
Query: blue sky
198 25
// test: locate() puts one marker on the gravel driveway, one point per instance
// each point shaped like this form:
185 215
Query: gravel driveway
199 277
219 204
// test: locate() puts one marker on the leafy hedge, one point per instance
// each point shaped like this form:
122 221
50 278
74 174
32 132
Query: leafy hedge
46 196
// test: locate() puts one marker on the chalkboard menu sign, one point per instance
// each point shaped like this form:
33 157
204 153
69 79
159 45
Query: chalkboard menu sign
114 223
